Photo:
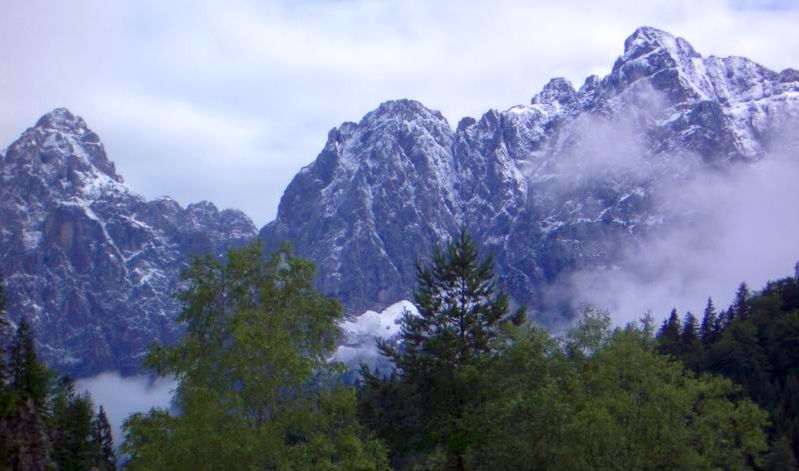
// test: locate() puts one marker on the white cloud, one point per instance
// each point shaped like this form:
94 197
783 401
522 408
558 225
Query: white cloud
741 228
122 396
227 100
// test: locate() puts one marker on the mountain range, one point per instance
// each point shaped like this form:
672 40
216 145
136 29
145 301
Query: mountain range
565 183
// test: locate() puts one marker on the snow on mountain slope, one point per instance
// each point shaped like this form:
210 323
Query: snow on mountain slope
563 183
361 332
567 183
92 264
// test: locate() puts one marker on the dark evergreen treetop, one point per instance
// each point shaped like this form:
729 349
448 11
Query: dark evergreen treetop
709 328
460 307
460 312
756 345
29 377
669 334
740 307
104 442
689 329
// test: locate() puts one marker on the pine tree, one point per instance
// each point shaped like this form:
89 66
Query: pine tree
73 447
796 270
669 341
460 310
740 307
28 446
722 321
709 328
103 442
30 379
689 335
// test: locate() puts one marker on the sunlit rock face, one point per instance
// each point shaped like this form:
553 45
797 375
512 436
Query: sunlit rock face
555 186
90 263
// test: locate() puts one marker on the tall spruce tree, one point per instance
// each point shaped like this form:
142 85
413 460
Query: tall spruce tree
103 441
30 379
24 438
690 342
722 321
690 327
708 330
73 447
740 307
669 341
460 310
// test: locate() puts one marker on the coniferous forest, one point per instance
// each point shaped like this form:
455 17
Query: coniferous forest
44 423
476 386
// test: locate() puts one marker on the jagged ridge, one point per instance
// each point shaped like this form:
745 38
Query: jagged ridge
535 183
94 265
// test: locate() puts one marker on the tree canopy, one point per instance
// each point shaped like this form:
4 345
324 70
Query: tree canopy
460 309
254 385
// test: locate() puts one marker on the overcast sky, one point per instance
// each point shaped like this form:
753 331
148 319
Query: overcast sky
226 101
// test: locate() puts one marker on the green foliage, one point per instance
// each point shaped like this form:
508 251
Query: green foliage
669 341
44 425
602 399
30 378
460 309
71 425
252 370
103 442
709 330
757 347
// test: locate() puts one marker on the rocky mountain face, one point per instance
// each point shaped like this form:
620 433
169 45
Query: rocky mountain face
563 183
92 264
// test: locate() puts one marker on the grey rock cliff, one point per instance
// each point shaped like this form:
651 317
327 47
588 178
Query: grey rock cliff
92 264
551 187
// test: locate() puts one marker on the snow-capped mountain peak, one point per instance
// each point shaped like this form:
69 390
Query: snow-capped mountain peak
562 184
558 90
92 264
646 40
554 186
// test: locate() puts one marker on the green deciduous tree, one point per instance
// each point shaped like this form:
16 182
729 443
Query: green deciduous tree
253 376
619 406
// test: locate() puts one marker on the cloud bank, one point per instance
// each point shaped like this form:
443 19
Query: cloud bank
733 227
122 396
228 100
